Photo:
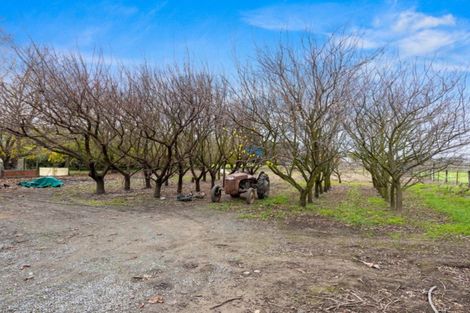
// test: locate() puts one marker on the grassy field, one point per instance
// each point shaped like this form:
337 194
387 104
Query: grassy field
453 202
434 210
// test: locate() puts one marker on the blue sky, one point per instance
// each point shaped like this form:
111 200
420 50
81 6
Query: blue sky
214 31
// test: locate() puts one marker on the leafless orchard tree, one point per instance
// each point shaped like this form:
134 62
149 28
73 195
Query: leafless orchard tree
205 91
56 102
295 108
294 101
127 139
10 147
168 102
402 116
210 134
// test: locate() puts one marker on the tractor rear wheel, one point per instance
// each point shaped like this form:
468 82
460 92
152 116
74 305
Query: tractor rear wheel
262 186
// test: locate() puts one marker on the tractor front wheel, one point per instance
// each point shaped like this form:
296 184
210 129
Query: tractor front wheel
216 193
250 196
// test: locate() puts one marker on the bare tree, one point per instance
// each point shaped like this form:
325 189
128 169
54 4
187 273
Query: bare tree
10 147
56 102
169 102
402 117
294 102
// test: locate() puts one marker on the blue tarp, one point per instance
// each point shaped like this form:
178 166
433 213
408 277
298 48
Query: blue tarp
43 182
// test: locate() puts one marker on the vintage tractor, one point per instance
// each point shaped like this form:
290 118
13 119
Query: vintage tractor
237 184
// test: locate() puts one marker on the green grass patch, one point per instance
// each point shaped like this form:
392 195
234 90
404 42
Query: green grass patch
264 215
107 202
451 201
434 210
223 206
359 210
280 199
273 207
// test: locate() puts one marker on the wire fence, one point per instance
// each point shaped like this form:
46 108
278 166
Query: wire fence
454 176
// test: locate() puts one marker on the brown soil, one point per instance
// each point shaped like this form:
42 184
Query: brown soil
67 251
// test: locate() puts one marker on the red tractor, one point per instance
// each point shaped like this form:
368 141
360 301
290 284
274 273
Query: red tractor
237 184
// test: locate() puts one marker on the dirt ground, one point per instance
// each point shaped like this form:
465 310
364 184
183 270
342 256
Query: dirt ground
85 254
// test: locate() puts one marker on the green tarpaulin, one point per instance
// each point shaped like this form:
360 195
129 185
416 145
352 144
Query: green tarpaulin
43 182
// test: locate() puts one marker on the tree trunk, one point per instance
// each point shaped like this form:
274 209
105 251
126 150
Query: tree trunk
99 180
204 176
303 198
374 181
398 196
6 163
383 191
213 176
179 188
310 196
127 182
197 180
158 189
147 177
391 197
327 185
225 164
317 188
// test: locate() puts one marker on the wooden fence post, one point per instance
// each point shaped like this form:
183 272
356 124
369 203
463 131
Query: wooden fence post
468 178
447 177
457 177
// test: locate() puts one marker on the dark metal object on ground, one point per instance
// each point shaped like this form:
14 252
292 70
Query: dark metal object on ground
190 196
185 198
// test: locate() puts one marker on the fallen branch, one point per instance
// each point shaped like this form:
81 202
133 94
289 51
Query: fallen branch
225 302
390 303
369 264
430 299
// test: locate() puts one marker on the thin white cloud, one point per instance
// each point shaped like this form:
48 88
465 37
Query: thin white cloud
296 17
414 33
406 30
427 42
410 20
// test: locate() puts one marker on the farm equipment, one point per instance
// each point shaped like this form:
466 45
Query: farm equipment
237 184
